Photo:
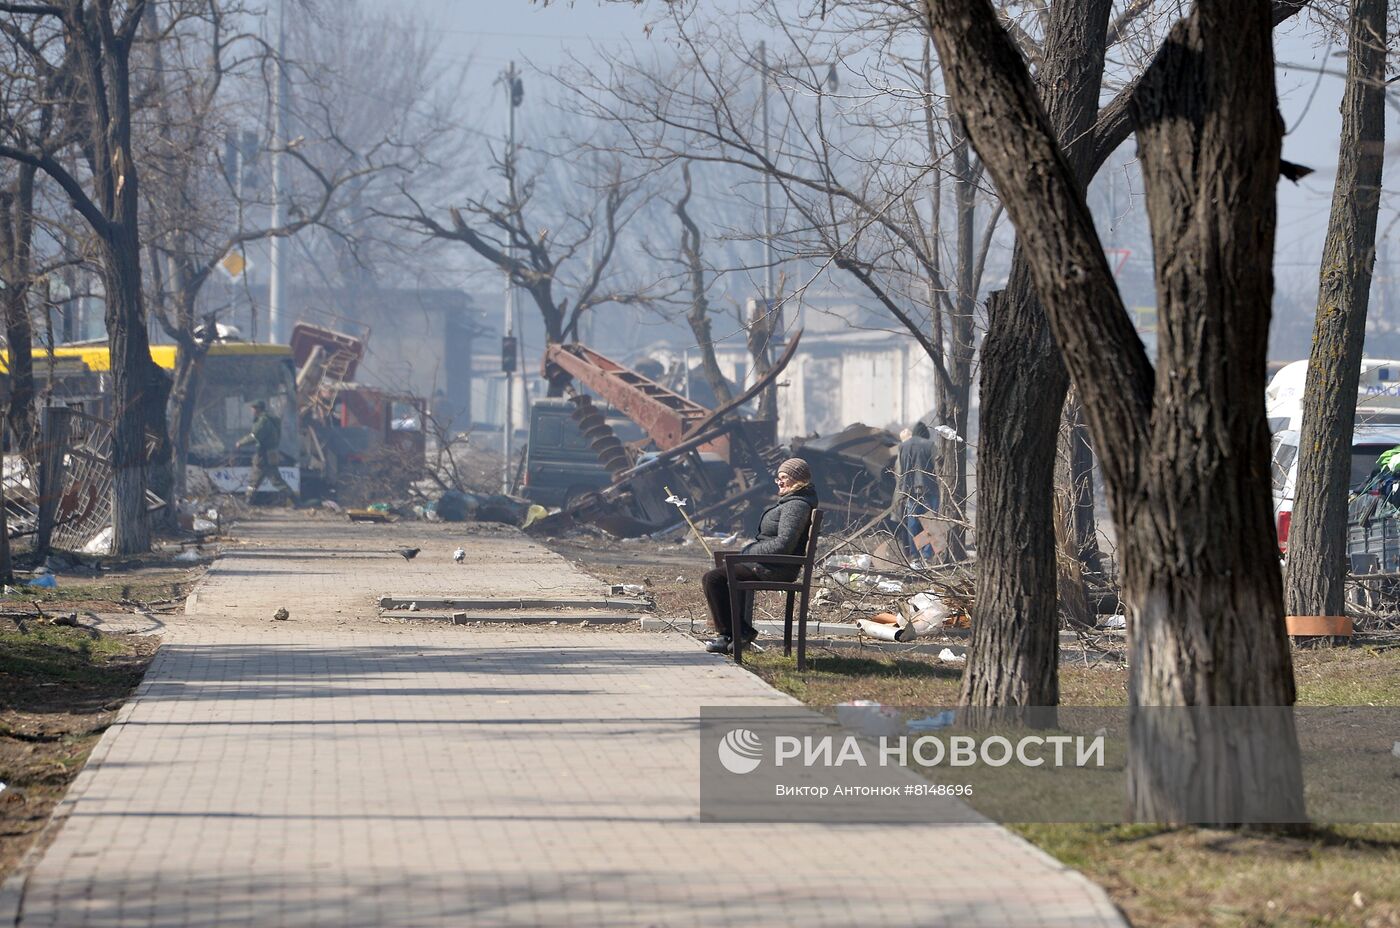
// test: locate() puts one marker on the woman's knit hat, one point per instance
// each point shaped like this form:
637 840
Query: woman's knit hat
797 470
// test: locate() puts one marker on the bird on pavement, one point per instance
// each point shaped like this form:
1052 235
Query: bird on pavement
408 554
460 555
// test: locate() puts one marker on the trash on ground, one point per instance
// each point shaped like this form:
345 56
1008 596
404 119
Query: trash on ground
45 582
187 556
948 657
885 618
870 717
933 722
850 562
878 630
626 589
203 526
370 515
535 513
889 586
281 615
1114 621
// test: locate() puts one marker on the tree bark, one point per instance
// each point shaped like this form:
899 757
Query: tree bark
1014 658
698 316
1317 558
16 239
1187 467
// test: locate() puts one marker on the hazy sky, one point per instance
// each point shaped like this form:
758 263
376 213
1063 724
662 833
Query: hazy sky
493 32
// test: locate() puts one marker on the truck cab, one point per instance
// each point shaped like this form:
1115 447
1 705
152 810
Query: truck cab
559 463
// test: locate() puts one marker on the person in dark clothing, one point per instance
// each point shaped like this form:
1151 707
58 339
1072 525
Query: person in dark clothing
782 529
265 438
916 491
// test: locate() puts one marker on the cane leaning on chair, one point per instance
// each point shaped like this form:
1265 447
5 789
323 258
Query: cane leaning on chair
782 530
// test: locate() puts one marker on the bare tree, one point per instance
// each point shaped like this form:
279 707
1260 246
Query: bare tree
96 45
202 67
557 239
1317 555
698 314
1184 454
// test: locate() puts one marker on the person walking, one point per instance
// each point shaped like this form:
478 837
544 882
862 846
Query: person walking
782 529
916 491
265 438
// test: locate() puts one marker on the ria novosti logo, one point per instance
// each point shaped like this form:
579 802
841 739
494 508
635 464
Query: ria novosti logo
740 751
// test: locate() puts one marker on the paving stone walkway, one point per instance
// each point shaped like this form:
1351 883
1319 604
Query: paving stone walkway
337 770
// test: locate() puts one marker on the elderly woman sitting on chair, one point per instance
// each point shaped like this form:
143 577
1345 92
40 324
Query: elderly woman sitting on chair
781 530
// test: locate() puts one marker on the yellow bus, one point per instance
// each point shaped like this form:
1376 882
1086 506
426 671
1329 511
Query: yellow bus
235 374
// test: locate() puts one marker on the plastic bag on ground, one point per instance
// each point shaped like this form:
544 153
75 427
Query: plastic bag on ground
101 543
44 581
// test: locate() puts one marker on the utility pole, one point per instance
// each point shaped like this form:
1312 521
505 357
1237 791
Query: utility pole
515 92
768 295
279 140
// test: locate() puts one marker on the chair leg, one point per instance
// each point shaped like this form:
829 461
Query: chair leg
736 621
802 633
787 625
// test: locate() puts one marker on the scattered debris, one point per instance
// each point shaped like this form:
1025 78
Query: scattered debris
281 615
626 589
188 556
933 722
44 582
947 656
1114 621
370 515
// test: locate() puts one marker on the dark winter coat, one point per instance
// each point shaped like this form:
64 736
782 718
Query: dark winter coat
782 529
914 474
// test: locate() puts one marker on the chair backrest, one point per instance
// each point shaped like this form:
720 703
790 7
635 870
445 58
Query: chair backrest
813 533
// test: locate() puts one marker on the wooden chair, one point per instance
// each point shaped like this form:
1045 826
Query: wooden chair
741 591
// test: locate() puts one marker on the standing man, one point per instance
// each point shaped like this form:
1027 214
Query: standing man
916 492
266 436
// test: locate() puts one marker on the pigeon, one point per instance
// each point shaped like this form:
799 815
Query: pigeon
281 615
460 555
408 554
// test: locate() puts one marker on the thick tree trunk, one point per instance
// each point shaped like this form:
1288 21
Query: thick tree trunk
16 238
1187 468
184 397
1201 567
1317 558
139 389
1014 659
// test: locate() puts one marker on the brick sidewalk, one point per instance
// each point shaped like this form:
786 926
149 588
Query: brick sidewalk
333 770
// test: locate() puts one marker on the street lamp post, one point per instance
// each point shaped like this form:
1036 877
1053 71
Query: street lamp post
515 93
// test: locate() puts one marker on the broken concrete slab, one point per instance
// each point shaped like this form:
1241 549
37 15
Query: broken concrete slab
502 617
431 602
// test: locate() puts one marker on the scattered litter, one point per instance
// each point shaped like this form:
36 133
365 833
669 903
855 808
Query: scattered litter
9 590
869 717
850 562
101 543
948 657
627 589
332 505
584 624
885 618
46 582
948 433
203 526
535 513
680 579
1358 900
281 615
369 515
934 722
922 601
889 586
459 618
187 556
732 539
40 571
412 607
554 622
1115 621
878 630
